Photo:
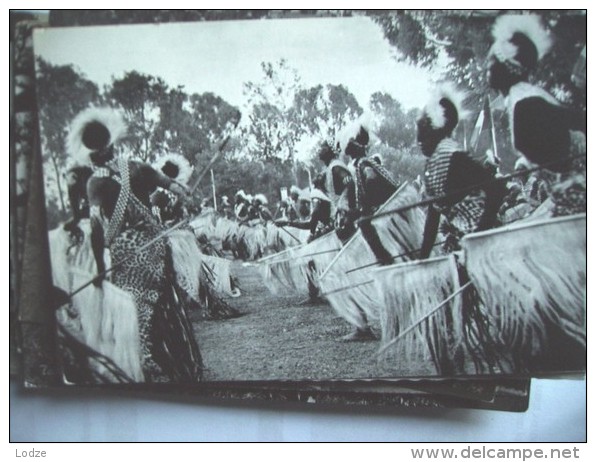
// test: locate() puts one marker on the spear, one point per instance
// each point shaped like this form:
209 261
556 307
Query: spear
161 235
434 199
215 157
295 238
424 318
410 252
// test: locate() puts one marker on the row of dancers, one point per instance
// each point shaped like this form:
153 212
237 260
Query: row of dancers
130 204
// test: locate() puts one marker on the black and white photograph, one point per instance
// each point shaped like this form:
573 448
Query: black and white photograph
326 196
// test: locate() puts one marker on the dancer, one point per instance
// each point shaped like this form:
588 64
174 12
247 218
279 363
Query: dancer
241 206
373 185
121 221
166 205
540 126
339 188
473 195
259 204
320 221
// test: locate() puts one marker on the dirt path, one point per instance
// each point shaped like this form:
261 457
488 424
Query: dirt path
280 338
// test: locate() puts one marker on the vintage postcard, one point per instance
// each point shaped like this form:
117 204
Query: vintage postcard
37 343
370 196
24 142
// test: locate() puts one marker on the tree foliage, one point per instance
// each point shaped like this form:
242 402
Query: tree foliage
140 96
282 118
396 127
62 93
458 42
455 44
285 116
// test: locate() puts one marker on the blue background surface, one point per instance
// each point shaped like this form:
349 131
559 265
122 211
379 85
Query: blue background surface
557 413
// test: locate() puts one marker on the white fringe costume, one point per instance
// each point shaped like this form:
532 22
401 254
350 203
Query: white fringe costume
292 269
109 324
104 319
530 280
352 292
410 291
531 273
187 260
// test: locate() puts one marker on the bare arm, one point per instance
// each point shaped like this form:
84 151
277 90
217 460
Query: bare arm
97 244
94 191
431 228
344 184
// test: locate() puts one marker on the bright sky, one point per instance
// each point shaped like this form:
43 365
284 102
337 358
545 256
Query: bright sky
220 56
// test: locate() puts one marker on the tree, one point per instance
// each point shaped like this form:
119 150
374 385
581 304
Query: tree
252 176
271 132
452 43
396 128
140 96
404 164
62 93
322 111
455 45
192 125
211 115
286 117
172 127
463 40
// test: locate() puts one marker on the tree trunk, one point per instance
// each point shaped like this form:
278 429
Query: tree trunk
58 183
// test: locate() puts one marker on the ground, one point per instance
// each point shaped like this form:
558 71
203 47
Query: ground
283 338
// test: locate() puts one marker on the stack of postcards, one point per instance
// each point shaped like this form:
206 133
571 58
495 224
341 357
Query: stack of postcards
189 217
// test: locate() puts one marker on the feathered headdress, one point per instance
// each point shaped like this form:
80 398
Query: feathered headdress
304 195
522 164
446 107
316 193
261 198
520 40
377 158
94 129
175 166
358 131
325 150
241 194
294 189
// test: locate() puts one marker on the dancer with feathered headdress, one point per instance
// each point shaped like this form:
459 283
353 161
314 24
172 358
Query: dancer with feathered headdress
540 125
166 205
531 276
119 196
290 206
364 190
339 187
468 199
373 184
473 195
168 208
241 204
259 204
